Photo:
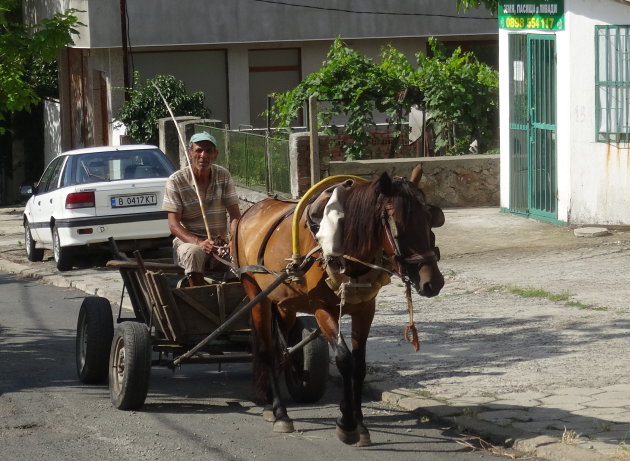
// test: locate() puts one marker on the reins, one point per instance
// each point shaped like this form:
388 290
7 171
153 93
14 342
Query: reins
391 232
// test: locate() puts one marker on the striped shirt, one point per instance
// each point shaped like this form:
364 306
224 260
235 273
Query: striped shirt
180 197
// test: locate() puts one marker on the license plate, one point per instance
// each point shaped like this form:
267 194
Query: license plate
122 201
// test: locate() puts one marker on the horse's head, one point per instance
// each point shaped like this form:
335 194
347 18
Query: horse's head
407 220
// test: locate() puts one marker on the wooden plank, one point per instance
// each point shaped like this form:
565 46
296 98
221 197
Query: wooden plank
221 301
203 310
153 266
169 306
158 309
144 283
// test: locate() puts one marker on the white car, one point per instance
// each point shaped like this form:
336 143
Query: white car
87 195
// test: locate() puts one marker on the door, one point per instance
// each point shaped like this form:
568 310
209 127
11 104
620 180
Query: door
533 159
270 71
44 201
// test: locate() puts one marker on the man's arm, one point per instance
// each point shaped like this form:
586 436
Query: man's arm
235 214
179 231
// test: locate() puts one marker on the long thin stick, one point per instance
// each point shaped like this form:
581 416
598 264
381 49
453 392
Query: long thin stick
192 173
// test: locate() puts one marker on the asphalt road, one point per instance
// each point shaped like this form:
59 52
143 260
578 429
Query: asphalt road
196 413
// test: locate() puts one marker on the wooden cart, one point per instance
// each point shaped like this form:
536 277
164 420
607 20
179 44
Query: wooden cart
174 324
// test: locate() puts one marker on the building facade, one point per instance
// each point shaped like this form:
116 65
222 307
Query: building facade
236 52
565 110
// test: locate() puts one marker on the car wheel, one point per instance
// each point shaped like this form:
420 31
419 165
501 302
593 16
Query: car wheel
32 253
306 375
95 330
130 365
63 255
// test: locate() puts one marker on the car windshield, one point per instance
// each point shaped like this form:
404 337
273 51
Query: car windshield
117 165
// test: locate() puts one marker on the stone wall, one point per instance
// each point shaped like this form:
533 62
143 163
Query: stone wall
457 181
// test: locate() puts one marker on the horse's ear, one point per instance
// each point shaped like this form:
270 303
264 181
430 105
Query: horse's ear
385 183
416 175
437 216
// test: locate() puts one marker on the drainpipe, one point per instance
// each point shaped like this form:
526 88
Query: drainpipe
125 46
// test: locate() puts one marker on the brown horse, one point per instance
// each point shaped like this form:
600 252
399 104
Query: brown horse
384 219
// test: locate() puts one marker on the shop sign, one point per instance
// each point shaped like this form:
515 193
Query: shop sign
532 14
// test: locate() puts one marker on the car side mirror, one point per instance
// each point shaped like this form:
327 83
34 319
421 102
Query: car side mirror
27 191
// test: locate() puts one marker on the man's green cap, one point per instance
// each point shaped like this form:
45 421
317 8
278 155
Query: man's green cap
203 136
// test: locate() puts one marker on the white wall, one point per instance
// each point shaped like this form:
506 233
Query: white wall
600 172
504 118
203 70
52 129
593 177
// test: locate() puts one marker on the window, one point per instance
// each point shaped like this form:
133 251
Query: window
612 83
50 176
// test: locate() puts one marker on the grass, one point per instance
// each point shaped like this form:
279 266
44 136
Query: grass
580 305
428 395
623 453
538 293
569 437
554 297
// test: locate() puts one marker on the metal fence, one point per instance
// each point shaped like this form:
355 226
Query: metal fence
256 161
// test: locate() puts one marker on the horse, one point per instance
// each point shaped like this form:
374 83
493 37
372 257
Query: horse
385 220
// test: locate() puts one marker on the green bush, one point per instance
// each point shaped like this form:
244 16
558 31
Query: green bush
460 95
141 112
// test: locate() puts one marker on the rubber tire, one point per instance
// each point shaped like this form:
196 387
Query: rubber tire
306 376
63 255
130 365
95 331
32 254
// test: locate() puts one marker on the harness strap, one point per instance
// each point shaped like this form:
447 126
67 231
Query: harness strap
410 329
270 231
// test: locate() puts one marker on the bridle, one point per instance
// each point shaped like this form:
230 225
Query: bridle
415 260
405 263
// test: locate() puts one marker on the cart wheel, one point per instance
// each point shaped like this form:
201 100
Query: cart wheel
306 375
130 365
95 330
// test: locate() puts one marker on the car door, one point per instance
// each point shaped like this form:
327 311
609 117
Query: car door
44 201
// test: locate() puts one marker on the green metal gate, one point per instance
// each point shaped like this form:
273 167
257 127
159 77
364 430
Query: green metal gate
533 171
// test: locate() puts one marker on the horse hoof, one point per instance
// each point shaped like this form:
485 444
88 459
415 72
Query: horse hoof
284 426
348 437
268 415
364 436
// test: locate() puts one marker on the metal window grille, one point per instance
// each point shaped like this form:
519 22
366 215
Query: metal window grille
612 83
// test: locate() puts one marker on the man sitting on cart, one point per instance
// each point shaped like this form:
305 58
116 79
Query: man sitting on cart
192 247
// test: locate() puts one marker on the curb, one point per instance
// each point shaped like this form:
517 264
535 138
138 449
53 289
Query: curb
524 444
60 281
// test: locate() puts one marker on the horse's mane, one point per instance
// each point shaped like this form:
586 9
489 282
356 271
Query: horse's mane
363 232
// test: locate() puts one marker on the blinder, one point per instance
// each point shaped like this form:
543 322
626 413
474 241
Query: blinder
415 259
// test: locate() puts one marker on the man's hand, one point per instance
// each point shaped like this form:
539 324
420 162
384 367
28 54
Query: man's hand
218 246
206 245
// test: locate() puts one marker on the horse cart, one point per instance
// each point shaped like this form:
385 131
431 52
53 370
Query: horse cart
173 324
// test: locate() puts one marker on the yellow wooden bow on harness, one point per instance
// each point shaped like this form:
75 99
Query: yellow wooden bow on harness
304 201
410 333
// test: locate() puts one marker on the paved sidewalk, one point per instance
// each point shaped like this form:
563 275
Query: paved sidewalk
527 345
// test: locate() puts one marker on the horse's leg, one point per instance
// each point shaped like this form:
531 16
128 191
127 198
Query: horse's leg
347 423
361 323
265 363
